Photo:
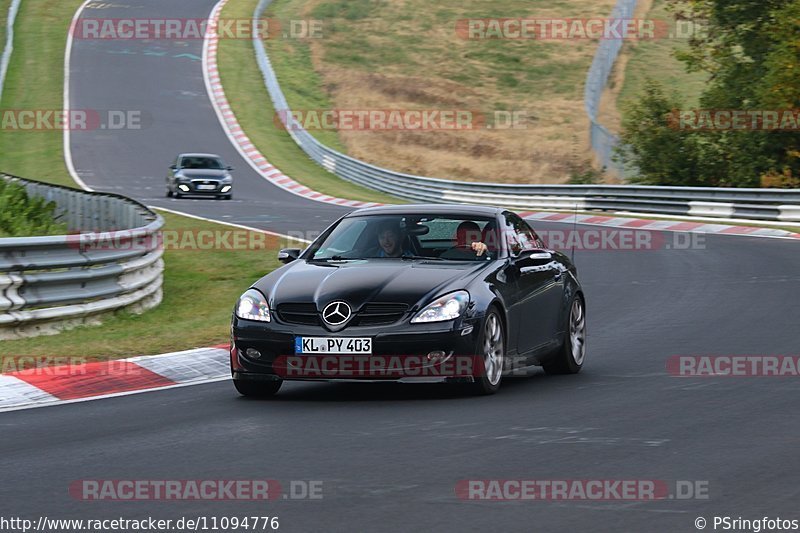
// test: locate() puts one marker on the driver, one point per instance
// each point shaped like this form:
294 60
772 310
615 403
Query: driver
390 242
468 242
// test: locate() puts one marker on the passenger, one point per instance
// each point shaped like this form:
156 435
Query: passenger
468 242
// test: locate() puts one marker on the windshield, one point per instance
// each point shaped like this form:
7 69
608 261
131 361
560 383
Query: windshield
436 238
199 162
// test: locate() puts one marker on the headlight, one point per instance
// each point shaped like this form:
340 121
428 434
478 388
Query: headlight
253 306
447 307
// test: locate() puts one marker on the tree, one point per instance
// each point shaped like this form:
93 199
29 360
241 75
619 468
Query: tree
751 51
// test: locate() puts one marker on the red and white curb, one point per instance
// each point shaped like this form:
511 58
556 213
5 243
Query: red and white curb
53 385
657 225
237 135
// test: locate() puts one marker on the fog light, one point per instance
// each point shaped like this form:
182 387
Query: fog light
436 355
184 188
226 188
252 353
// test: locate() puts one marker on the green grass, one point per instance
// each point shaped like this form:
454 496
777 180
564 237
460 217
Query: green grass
249 99
200 289
655 60
35 81
3 17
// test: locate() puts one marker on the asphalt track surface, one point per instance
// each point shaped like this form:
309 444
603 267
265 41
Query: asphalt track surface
390 456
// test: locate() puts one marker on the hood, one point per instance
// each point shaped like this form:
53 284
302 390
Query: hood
362 282
199 173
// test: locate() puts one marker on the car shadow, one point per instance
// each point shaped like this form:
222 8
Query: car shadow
390 392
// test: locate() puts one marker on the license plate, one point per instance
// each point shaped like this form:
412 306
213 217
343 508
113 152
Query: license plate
333 345
206 187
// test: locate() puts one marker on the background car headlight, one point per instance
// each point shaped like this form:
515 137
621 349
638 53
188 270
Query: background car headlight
447 307
253 306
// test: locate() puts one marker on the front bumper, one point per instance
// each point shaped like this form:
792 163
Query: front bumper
400 352
194 188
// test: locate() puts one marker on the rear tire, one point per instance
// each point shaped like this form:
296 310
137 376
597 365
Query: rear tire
257 389
570 357
492 348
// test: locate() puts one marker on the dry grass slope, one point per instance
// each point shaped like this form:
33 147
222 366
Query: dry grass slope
406 54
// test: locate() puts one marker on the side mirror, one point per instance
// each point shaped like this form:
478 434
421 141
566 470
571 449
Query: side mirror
173 167
229 168
287 255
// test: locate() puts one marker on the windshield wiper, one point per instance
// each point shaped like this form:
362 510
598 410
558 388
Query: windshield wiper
421 257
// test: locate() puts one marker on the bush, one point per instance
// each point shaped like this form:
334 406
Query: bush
25 216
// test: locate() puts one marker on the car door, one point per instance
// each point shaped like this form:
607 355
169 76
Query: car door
540 286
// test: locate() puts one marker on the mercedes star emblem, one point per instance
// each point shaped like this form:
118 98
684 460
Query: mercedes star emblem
336 313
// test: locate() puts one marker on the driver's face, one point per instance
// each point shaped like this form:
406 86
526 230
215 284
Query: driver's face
389 241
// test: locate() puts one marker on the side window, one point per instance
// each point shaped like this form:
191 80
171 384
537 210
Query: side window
511 235
520 235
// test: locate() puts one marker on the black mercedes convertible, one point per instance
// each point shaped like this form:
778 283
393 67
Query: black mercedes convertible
412 293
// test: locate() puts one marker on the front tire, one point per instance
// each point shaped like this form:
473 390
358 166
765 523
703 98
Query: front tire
492 348
169 193
570 357
257 389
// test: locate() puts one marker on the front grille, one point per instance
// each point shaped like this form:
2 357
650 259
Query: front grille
373 314
196 185
376 314
298 313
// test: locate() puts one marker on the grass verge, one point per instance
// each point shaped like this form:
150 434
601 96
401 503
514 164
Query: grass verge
249 99
35 81
655 60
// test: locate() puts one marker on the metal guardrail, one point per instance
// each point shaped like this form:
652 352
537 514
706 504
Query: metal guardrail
602 140
111 259
759 204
